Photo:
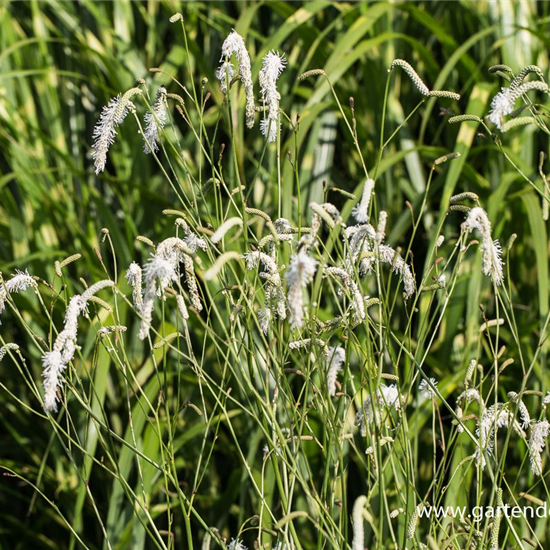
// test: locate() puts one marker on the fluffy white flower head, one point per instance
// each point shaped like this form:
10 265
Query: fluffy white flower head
234 44
537 442
301 269
492 262
300 273
361 211
336 356
501 105
155 120
273 66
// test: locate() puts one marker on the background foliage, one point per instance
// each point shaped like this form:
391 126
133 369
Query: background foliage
61 61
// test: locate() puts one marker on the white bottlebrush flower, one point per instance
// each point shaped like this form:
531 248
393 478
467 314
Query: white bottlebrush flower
537 441
19 282
546 400
161 269
300 273
255 257
361 239
160 272
52 367
155 120
381 229
220 233
182 308
105 130
522 409
501 105
358 542
427 391
225 74
387 255
234 44
134 278
264 318
492 251
55 362
273 289
361 211
193 242
386 397
273 66
357 299
470 395
495 417
336 356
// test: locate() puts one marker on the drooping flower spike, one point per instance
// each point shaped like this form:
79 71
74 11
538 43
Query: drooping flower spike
55 362
234 44
273 66
155 121
105 130
492 261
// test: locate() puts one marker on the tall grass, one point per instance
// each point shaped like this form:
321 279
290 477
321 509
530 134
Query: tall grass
210 429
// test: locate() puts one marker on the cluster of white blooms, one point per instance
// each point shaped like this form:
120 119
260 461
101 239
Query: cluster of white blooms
501 106
537 441
134 277
387 255
523 412
386 397
300 273
503 103
55 362
467 397
492 251
365 245
273 66
360 240
160 271
105 130
234 44
357 299
501 415
493 418
336 356
274 295
225 74
19 282
155 120
361 211
381 228
182 308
